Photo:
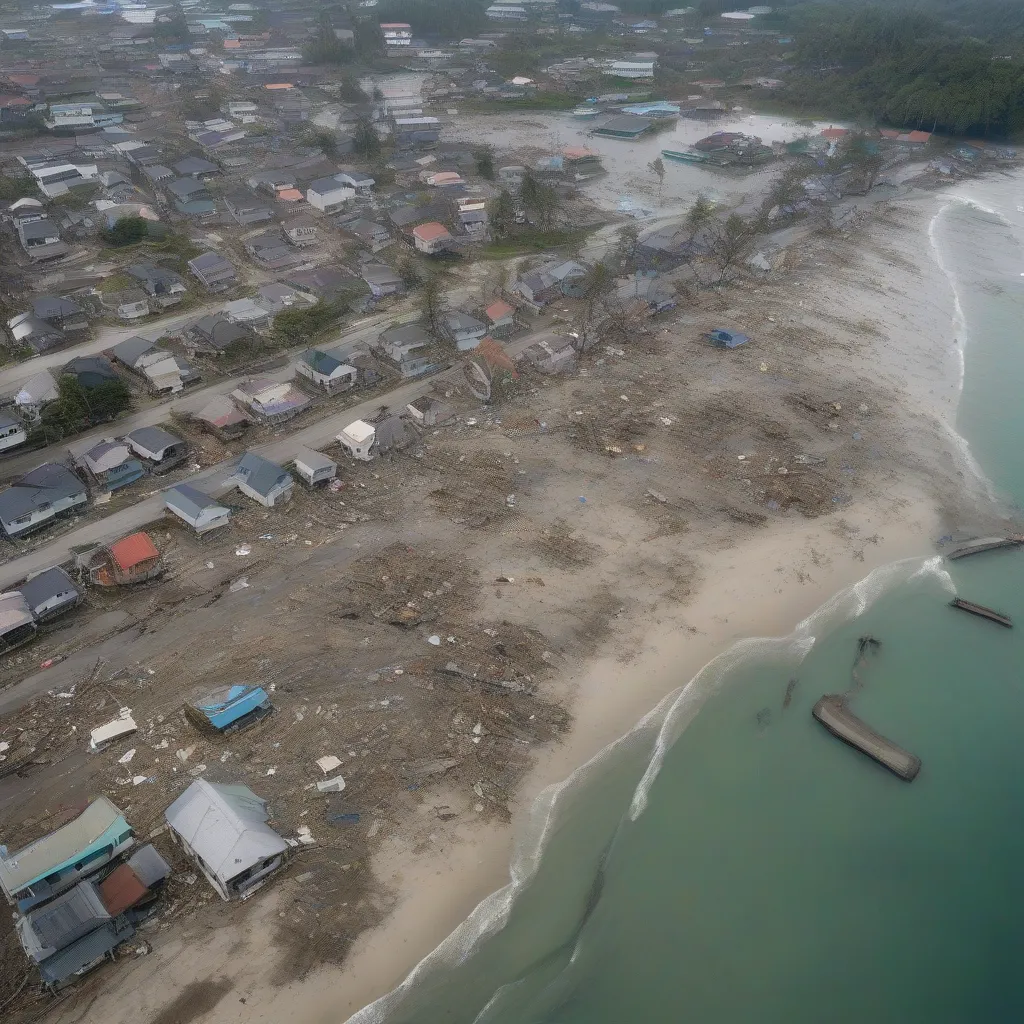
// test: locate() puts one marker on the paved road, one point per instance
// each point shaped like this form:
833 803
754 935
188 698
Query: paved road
361 334
105 337
215 481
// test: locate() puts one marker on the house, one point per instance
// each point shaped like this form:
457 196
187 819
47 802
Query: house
465 331
222 417
368 370
247 208
314 467
29 330
163 286
111 465
38 497
552 355
57 861
90 371
540 286
276 297
35 392
382 280
34 234
300 230
355 179
328 195
326 370
50 593
163 371
391 434
229 709
263 480
248 312
199 510
224 829
17 624
625 126
160 449
397 34
190 196
60 312
12 432
357 439
270 251
409 347
502 318
214 334
323 282
128 303
431 238
213 271
196 167
428 412
158 174
270 400
131 559
373 235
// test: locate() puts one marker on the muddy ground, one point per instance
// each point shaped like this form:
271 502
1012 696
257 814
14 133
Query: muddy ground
420 623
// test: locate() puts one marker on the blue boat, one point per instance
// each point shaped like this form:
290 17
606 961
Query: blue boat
230 708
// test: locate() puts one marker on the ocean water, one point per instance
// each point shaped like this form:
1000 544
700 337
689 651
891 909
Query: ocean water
730 861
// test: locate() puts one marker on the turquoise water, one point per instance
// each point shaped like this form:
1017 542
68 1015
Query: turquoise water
767 872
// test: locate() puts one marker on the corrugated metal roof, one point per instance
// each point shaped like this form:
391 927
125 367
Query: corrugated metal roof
88 949
148 865
130 551
226 826
49 852
62 921
121 889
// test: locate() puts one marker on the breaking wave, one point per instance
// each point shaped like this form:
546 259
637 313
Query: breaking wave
664 725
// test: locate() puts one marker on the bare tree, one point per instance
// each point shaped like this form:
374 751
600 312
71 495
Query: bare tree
433 304
627 247
729 243
657 165
590 309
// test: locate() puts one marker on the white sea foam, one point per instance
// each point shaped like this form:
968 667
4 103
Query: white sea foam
667 722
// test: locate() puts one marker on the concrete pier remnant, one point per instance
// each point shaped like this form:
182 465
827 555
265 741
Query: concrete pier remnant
976 547
982 612
834 713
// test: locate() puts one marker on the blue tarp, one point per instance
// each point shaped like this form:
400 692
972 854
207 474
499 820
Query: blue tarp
226 706
727 339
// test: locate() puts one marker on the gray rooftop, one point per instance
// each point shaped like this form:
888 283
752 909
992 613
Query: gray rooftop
226 825
153 439
131 350
48 584
261 474
188 500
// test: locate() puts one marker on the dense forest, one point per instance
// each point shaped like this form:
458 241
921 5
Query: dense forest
918 66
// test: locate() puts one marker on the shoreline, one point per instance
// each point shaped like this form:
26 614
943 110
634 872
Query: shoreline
752 582
668 662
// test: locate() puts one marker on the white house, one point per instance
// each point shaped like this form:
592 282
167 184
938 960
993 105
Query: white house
224 829
357 439
635 69
431 238
12 433
315 467
326 370
34 394
396 33
328 195
199 510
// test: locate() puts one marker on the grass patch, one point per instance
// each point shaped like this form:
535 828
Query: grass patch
542 101
527 242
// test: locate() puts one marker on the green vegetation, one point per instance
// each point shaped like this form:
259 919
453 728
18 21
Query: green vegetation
77 408
325 47
484 158
365 140
906 67
302 326
127 231
451 19
320 138
13 188
538 101
530 240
